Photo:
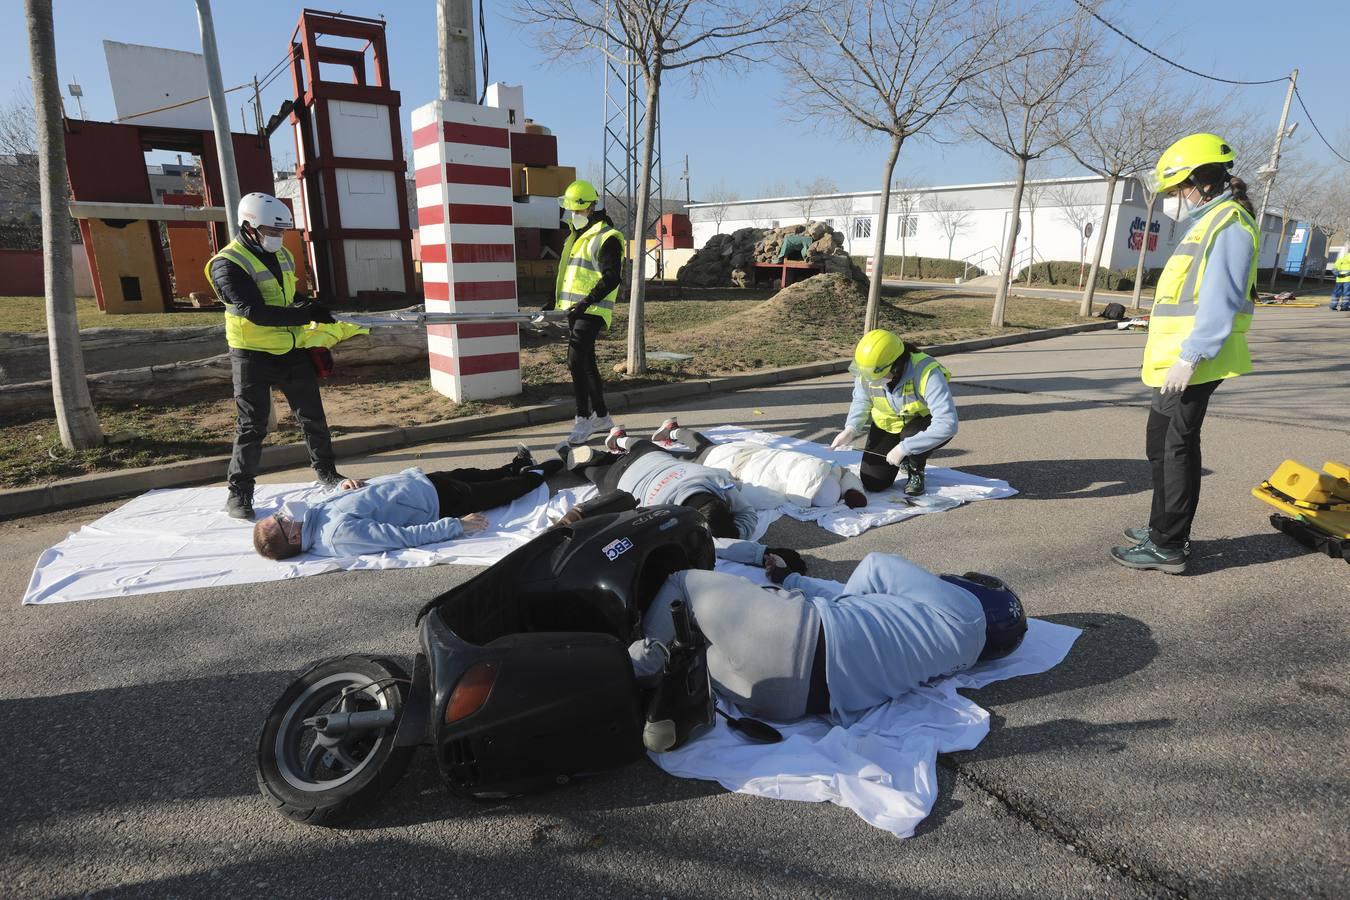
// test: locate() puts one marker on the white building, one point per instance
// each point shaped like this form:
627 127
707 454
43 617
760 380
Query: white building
970 221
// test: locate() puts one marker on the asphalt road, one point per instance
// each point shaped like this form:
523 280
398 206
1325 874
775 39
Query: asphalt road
1194 742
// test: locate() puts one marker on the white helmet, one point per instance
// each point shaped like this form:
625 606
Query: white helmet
263 209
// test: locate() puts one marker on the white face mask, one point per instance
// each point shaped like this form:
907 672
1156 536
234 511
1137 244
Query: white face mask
271 242
579 220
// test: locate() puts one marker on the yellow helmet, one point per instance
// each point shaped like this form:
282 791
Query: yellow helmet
1186 155
578 196
876 353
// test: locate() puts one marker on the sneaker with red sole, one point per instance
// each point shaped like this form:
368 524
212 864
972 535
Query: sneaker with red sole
612 441
664 432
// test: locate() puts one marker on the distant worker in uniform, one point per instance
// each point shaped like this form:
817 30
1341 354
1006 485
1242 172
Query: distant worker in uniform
901 397
1197 337
1341 291
589 271
254 276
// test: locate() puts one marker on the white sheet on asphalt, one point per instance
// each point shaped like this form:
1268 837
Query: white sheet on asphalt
180 538
884 766
947 488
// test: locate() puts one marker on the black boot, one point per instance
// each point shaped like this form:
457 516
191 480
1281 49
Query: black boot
914 486
523 460
239 505
328 476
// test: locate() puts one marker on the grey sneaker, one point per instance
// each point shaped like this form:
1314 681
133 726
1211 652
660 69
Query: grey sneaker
1148 555
1139 535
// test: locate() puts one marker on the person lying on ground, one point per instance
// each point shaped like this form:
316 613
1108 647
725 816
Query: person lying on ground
390 512
802 646
769 477
655 475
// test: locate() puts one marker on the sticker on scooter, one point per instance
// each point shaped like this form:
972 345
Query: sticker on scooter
615 549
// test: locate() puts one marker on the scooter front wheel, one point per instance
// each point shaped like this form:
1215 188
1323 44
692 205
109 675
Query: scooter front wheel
327 747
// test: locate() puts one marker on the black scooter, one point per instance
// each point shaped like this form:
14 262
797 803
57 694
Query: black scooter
523 680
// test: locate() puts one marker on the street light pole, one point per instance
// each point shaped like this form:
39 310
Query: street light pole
1273 166
220 117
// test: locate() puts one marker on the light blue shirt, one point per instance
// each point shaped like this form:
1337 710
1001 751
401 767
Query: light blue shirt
1222 291
389 513
937 394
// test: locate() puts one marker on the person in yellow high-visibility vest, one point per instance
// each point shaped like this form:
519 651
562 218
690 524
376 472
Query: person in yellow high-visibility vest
1341 292
903 403
1197 337
266 328
589 271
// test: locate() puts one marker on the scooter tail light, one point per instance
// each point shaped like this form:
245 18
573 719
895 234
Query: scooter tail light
471 692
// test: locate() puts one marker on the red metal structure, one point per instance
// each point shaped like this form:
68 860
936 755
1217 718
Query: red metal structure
329 169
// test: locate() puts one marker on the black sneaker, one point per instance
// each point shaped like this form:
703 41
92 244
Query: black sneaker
1139 535
1148 555
239 505
329 478
914 486
523 459
546 468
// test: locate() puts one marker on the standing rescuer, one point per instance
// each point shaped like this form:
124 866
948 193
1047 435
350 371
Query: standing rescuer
589 272
903 398
254 276
1197 337
1341 291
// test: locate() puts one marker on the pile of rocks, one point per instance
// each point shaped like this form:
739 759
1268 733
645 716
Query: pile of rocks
729 258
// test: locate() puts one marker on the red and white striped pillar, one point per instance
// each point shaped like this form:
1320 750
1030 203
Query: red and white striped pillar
462 168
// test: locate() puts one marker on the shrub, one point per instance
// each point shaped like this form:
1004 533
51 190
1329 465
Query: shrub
920 267
1064 272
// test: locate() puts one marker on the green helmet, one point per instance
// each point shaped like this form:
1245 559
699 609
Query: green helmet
578 196
1188 154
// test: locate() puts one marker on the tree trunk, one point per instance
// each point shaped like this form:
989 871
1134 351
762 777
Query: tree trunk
1303 266
1275 267
1009 247
637 294
75 416
902 247
1031 242
873 315
1143 249
1085 308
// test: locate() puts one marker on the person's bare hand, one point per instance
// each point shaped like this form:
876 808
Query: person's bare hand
474 523
773 561
352 484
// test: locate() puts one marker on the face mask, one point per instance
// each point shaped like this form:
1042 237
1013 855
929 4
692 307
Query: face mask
579 220
271 242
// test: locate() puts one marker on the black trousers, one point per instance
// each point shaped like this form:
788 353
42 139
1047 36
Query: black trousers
1173 447
464 491
875 472
586 383
255 374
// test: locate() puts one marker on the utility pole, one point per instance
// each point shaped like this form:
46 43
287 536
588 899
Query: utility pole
1271 168
257 104
220 117
687 201
454 34
75 417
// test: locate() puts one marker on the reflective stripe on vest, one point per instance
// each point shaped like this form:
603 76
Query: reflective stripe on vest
1176 302
912 405
579 272
242 334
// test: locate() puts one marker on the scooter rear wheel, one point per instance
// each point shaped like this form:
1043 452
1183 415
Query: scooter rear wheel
311 768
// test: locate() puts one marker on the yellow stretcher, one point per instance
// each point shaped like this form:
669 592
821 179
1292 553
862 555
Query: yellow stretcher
1315 505
1296 304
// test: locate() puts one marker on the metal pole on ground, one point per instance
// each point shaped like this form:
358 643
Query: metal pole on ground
220 117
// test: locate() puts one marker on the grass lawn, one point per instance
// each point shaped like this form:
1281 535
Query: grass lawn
725 336
28 314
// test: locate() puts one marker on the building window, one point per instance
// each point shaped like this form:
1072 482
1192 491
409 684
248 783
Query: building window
907 225
862 226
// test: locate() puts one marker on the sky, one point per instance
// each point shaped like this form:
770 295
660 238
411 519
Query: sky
735 129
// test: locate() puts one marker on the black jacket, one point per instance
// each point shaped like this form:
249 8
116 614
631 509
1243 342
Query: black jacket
235 285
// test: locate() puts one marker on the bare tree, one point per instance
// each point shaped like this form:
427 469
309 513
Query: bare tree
812 195
892 68
1289 194
907 202
20 180
952 217
1033 192
720 200
1074 209
1025 108
840 208
658 37
75 417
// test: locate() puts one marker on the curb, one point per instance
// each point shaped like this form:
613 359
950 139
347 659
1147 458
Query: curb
18 502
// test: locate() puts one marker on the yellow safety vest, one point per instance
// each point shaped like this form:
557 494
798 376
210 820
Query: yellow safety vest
1175 302
579 271
912 405
1342 266
242 334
